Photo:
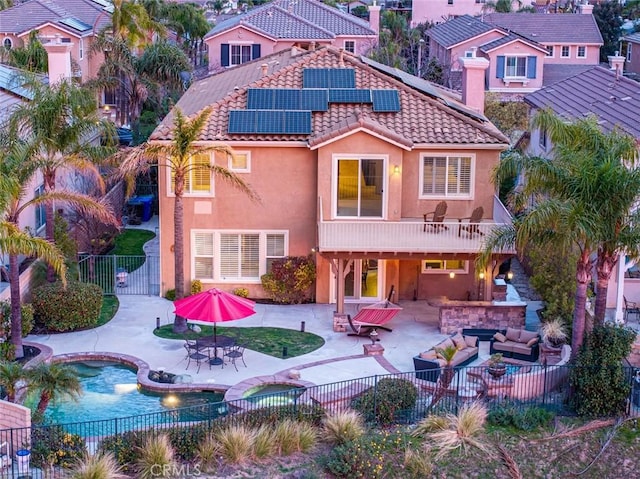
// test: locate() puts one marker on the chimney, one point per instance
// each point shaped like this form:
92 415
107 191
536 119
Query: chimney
374 17
616 63
584 8
341 57
265 69
59 59
473 80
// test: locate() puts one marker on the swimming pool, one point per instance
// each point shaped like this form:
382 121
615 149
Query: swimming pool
273 394
110 391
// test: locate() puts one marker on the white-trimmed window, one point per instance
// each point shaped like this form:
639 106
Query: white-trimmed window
240 54
350 46
198 180
445 266
240 162
41 218
543 139
629 45
549 51
81 49
582 52
446 176
7 43
565 52
515 67
222 255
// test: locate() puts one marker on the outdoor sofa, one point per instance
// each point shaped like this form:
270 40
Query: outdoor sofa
428 364
516 344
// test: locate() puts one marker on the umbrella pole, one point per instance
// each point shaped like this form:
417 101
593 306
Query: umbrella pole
215 333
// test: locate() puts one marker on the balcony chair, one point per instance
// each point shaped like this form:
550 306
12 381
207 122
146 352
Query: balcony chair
630 307
437 219
373 317
472 227
234 353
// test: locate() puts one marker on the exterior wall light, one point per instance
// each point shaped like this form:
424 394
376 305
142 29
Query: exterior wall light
452 275
396 169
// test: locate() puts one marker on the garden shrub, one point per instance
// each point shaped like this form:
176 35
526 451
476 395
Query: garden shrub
310 413
524 418
601 387
242 292
125 447
290 279
170 295
62 309
51 445
5 319
196 286
386 401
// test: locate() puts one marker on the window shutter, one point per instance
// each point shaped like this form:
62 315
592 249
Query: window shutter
531 67
250 256
255 51
500 67
275 245
203 255
200 173
465 176
229 252
224 55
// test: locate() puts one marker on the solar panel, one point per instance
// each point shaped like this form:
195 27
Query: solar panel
328 78
287 99
385 100
314 99
349 95
259 99
297 122
269 121
242 121
75 24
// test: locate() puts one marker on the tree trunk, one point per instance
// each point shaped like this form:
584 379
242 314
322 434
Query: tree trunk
16 312
180 323
50 186
444 381
604 267
45 398
583 278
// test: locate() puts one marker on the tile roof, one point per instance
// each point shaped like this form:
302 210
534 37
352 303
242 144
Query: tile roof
555 72
487 47
422 118
614 100
458 30
549 28
634 37
26 16
297 19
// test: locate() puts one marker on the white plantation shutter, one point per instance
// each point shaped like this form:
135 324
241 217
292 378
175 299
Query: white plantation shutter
203 255
464 176
275 248
200 173
229 252
250 256
446 176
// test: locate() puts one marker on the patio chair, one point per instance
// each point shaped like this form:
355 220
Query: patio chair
630 307
234 353
196 353
472 227
437 218
373 317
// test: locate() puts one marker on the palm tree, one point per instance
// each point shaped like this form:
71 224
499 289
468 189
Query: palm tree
131 23
613 194
447 374
16 163
62 122
176 157
11 373
53 381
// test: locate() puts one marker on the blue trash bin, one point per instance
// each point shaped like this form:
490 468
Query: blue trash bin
147 202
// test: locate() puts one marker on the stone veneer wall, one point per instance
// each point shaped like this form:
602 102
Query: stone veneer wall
456 315
15 416
634 356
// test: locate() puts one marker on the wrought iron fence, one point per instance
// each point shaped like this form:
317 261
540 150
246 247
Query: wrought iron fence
394 398
121 274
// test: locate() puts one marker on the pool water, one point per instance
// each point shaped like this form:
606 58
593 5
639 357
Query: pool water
273 395
512 369
110 390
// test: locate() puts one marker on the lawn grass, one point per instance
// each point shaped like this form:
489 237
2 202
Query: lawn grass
261 339
130 242
110 305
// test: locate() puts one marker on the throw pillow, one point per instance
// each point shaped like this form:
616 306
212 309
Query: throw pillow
441 362
500 337
471 341
459 341
531 342
447 343
526 336
513 334
431 354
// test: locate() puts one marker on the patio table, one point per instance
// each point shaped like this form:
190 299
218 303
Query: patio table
219 341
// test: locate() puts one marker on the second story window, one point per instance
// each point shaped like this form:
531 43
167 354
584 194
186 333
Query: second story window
516 67
40 212
446 176
543 139
565 52
549 51
241 162
7 43
350 46
238 53
197 180
629 51
582 52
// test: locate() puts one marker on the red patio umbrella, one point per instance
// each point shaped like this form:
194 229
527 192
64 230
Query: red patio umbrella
214 306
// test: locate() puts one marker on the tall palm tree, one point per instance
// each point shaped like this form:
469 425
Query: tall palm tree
613 193
16 163
176 158
53 381
64 127
11 373
446 376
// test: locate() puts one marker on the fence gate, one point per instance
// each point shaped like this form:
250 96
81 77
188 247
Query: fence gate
121 274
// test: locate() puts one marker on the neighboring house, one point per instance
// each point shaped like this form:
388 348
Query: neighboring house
522 48
346 171
438 11
631 50
73 21
282 24
615 101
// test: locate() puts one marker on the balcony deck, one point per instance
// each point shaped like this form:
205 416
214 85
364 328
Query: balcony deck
406 236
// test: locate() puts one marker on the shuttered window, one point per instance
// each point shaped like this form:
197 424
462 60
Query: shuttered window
203 255
275 248
446 176
197 180
239 256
